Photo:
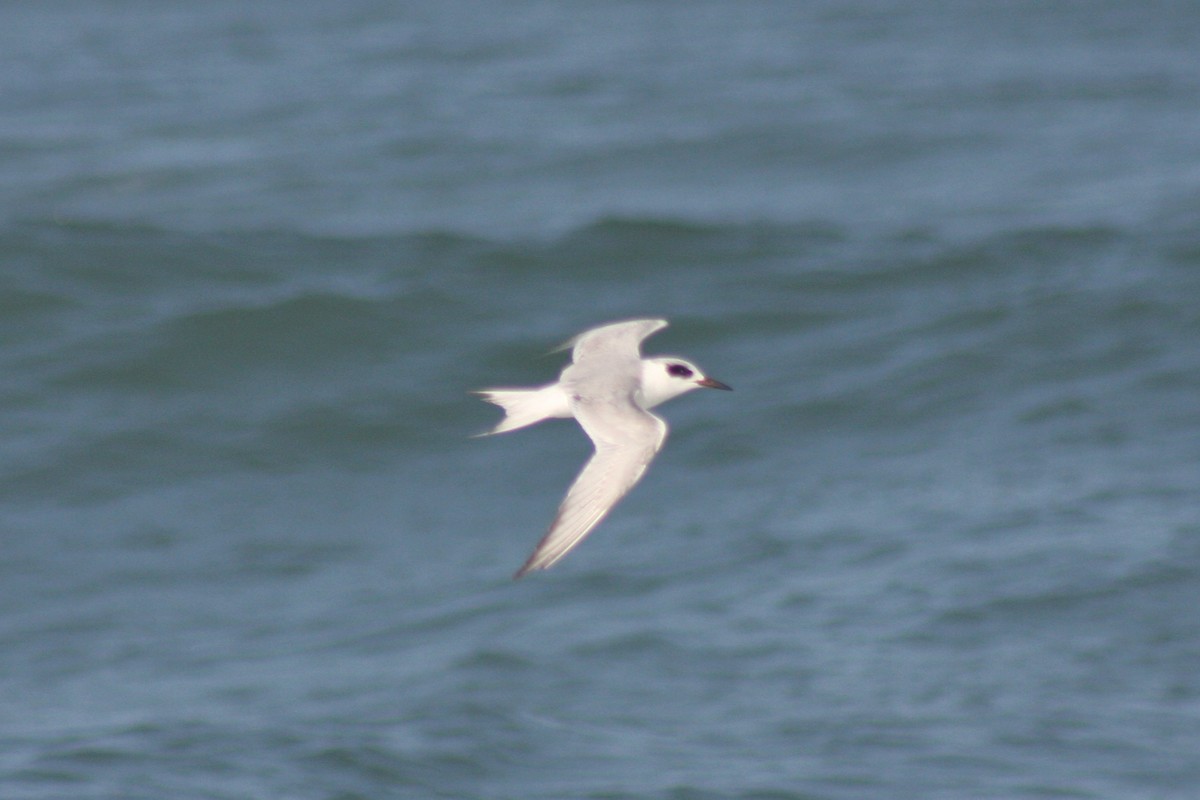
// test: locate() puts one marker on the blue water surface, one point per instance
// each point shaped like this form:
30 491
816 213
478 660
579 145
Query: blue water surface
942 541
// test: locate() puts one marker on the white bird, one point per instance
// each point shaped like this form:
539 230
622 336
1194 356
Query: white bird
608 388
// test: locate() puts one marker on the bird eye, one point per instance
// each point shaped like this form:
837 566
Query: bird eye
679 371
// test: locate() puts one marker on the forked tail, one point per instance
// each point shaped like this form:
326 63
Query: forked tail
522 407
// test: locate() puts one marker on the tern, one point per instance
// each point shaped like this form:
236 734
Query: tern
609 388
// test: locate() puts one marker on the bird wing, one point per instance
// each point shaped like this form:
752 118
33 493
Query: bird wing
626 438
623 338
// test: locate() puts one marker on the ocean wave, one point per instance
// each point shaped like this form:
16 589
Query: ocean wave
269 349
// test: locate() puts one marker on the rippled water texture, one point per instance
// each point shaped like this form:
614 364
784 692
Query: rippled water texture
942 541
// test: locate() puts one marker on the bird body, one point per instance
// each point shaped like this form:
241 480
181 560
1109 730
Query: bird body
608 388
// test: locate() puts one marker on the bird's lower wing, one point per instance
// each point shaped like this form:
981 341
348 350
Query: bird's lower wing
618 464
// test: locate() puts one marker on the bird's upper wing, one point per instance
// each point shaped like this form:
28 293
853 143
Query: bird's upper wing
620 338
626 438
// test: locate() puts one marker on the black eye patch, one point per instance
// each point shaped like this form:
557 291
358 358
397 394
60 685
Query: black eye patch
679 371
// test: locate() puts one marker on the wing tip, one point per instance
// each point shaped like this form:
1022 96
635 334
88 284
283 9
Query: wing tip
535 563
649 326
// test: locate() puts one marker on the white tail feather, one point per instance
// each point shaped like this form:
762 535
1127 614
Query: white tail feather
524 407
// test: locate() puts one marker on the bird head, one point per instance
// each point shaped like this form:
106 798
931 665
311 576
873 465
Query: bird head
665 377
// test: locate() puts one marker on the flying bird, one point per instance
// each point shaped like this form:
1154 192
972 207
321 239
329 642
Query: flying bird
609 388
